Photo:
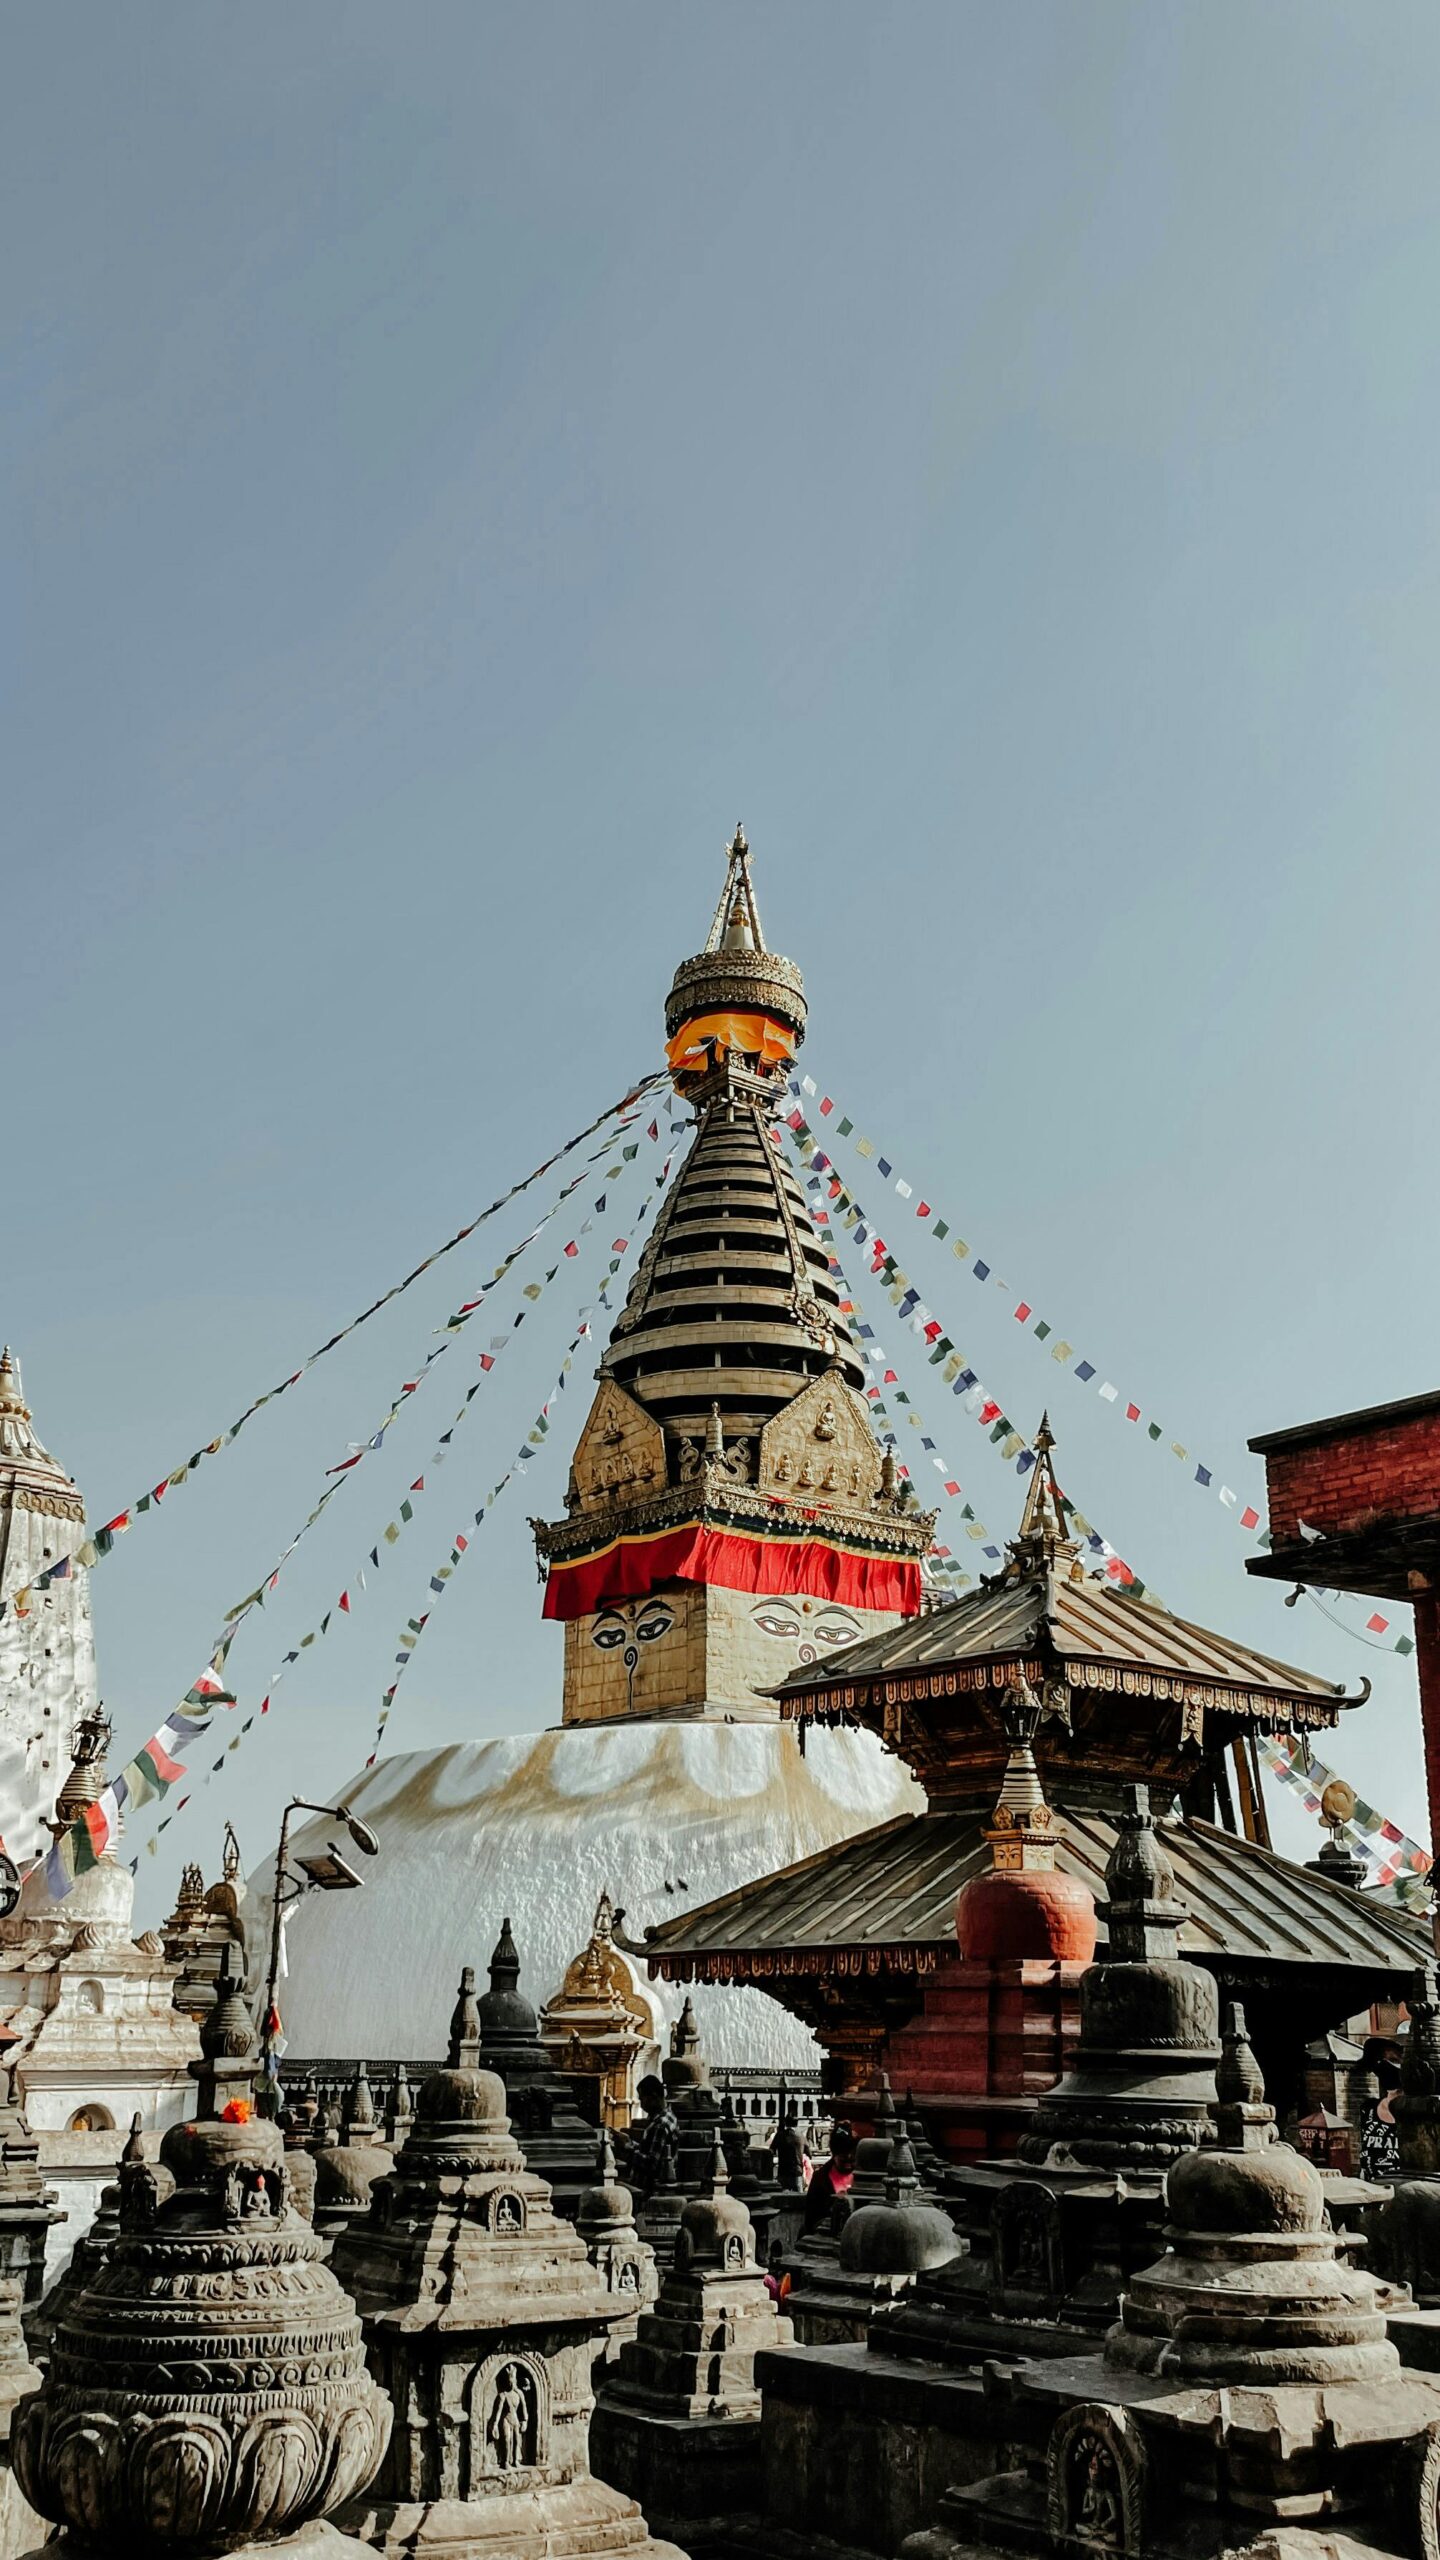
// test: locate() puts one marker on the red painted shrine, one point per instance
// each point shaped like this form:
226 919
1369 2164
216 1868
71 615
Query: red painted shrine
945 1948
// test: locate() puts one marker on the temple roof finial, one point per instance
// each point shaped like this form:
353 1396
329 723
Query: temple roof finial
737 917
1044 1522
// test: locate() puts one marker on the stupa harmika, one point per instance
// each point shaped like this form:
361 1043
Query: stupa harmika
729 1517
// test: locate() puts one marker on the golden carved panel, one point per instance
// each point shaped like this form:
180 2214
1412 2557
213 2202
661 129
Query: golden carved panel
822 1443
621 1456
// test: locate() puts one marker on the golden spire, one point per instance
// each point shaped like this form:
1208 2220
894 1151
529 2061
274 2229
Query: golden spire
1044 1523
737 918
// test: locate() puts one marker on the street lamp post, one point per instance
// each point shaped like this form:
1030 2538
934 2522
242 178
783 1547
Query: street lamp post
329 1874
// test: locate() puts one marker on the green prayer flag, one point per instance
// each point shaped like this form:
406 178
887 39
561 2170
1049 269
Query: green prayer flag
844 1127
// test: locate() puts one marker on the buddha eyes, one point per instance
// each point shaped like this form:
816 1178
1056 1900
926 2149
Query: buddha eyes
826 1632
651 1622
777 1622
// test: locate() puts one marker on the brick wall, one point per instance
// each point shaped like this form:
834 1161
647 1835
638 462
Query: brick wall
1385 1470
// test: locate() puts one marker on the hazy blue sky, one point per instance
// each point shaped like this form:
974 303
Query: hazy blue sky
456 461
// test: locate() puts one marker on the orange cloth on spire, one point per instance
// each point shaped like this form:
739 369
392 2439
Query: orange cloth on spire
756 1035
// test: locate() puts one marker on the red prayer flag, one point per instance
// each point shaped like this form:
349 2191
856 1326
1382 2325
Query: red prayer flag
1021 1312
345 1602
989 1413
1377 1625
487 1360
950 1487
1132 1413
924 1209
826 1105
1249 1517
571 1251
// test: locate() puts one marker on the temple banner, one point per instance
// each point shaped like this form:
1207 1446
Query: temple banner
740 1560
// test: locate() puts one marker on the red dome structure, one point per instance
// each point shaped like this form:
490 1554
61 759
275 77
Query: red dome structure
1024 1907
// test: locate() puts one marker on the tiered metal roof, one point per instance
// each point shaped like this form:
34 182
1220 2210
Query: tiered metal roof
733 1304
893 1890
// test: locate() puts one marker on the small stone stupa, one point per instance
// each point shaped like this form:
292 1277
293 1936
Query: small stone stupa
557 2142
1142 2084
692 2361
483 2315
207 2388
1246 2396
625 2264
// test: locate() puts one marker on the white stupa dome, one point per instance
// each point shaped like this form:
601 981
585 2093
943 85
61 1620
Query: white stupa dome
659 1814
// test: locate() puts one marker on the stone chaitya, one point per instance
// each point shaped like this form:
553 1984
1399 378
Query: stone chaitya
625 2264
730 1516
893 2229
1246 2392
677 2415
483 2316
206 2388
557 2142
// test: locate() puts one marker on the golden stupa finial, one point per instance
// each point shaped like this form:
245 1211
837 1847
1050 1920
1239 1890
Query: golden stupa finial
1044 1522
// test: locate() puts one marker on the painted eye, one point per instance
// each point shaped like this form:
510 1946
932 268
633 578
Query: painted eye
777 1622
608 1634
649 1627
835 1631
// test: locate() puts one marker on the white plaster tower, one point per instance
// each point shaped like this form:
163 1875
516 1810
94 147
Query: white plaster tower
47 1647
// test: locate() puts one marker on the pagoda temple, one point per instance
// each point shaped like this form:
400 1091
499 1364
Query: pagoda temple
729 1518
940 1946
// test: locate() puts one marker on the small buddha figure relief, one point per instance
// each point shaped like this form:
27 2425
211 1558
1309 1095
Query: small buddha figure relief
507 2214
826 1425
511 2428
1096 2471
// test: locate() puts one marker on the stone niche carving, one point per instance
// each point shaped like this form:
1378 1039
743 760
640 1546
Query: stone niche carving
1026 2264
509 2417
821 1443
621 1456
1095 2481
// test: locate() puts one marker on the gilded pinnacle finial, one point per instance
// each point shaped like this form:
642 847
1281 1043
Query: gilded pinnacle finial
1044 1522
738 845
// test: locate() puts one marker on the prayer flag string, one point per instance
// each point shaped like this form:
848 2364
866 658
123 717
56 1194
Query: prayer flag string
982 1408
534 1441
1390 1855
156 1768
1039 1328
100 1542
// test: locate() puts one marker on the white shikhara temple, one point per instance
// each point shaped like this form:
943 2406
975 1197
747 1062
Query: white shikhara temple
47 1646
729 1516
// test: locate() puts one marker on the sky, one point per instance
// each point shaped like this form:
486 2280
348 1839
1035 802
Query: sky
456 462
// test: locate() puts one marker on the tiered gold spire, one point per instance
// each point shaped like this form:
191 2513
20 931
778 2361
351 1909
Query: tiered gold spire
733 1307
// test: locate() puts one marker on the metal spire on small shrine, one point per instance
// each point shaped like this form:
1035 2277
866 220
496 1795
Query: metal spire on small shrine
1044 1522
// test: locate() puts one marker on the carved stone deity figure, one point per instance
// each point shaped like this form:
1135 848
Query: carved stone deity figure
208 2387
